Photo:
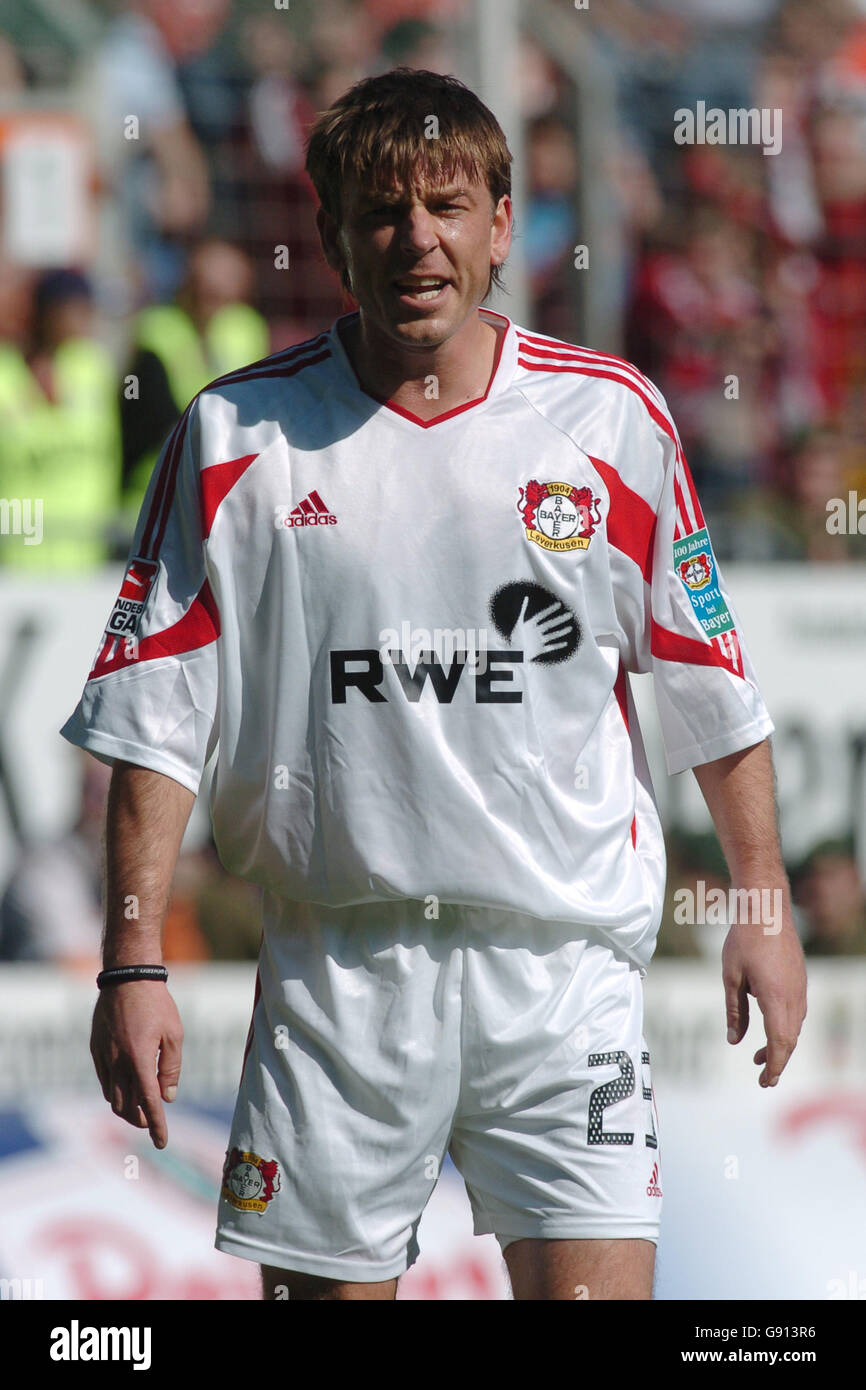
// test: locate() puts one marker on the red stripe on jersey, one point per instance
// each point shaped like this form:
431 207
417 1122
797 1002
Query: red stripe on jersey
620 689
692 517
216 483
693 493
250 1032
263 373
688 508
305 506
317 502
285 358
732 646
159 493
673 646
272 366
683 525
568 351
199 626
631 520
660 419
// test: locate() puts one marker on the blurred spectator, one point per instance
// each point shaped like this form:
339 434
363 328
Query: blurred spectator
178 348
278 109
415 43
698 327
51 909
344 48
150 160
385 12
552 228
12 75
817 471
552 171
790 520
828 889
59 426
541 83
838 141
276 222
648 52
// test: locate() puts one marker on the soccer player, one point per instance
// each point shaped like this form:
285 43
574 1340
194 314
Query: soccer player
398 576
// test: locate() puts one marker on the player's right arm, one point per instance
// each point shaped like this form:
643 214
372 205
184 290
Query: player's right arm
150 709
137 1036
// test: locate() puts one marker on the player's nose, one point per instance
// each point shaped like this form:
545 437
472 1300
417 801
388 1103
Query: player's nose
417 231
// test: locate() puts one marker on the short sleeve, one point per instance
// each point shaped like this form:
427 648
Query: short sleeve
706 692
151 694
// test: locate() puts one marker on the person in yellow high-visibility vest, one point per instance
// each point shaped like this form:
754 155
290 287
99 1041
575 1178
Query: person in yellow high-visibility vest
178 348
60 462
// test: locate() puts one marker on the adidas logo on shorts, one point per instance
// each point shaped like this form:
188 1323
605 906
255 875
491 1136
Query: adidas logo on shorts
653 1190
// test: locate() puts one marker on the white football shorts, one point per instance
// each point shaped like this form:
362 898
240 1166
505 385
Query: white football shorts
381 1040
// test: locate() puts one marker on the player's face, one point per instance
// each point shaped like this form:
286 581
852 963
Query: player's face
393 243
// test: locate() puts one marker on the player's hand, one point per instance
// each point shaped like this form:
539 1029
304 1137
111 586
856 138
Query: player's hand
771 967
135 1043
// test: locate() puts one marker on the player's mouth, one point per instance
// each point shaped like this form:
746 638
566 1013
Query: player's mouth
421 291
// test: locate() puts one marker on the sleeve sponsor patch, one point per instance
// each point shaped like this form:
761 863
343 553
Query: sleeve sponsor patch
695 565
129 604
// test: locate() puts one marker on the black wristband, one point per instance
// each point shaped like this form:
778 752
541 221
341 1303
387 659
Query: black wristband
119 973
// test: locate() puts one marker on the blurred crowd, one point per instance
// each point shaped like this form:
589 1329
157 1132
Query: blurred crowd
745 296
742 290
742 294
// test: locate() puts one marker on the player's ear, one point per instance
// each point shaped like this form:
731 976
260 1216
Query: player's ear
501 229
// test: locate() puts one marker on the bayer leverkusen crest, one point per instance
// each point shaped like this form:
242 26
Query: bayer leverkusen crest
249 1182
558 516
697 571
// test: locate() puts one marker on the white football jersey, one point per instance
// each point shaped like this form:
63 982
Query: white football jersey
410 639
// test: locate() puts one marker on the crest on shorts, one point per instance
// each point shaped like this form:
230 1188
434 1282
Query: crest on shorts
558 516
249 1182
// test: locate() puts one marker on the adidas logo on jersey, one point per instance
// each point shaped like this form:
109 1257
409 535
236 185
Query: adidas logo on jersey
310 512
653 1190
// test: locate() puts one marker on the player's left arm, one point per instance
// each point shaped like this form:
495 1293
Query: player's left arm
679 623
765 958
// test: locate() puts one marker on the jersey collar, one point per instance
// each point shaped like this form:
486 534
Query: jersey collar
504 367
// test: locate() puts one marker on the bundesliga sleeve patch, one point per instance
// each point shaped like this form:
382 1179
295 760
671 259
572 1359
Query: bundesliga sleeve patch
695 565
129 604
